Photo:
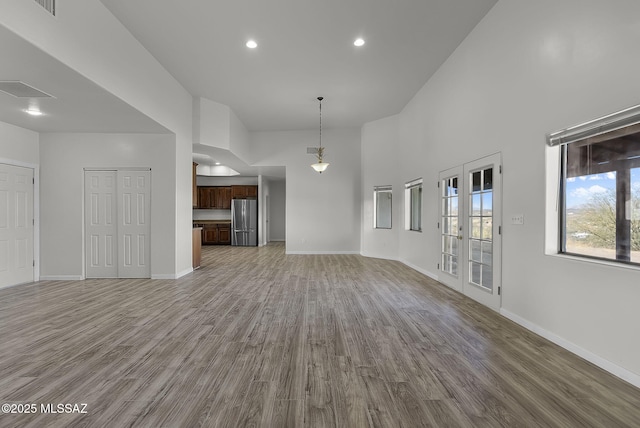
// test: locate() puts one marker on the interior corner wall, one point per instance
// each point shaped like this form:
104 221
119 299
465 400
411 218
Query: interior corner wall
527 69
322 210
62 189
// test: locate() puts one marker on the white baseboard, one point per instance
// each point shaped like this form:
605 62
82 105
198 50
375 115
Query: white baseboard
61 277
419 269
172 275
322 252
277 240
371 256
614 369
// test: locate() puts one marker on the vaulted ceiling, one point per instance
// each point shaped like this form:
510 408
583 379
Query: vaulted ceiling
305 49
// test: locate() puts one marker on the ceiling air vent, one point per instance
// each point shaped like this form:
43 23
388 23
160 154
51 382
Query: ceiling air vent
21 90
312 150
49 5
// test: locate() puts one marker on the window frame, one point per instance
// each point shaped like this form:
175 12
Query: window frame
377 190
619 124
408 203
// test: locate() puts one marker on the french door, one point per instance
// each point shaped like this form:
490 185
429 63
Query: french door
470 227
117 224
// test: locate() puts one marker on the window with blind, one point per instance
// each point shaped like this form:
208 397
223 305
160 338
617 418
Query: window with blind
600 188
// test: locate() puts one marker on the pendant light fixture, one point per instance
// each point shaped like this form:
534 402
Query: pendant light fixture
320 166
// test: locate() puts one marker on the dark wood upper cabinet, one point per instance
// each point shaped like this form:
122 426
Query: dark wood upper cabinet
214 197
243 192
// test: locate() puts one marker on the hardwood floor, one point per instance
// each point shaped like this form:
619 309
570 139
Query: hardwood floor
258 338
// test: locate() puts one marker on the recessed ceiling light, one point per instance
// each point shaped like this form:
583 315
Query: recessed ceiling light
358 42
33 111
217 163
251 44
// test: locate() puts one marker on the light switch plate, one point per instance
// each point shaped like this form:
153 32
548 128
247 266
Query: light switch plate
517 219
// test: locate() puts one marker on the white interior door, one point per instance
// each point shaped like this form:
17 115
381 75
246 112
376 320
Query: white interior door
134 189
117 224
470 220
16 225
482 253
101 239
451 227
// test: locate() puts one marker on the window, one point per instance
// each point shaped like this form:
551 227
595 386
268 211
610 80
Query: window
382 207
413 205
600 188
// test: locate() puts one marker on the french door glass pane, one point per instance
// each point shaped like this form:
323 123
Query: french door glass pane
476 252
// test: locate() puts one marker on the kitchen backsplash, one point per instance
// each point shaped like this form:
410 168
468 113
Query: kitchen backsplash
212 214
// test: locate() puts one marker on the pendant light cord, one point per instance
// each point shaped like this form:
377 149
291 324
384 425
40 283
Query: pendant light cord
320 99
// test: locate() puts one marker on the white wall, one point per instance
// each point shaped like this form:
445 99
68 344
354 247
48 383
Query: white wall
210 123
62 189
239 140
85 36
527 69
277 210
379 168
323 210
19 144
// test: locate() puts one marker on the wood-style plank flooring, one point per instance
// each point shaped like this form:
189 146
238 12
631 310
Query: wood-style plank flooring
259 338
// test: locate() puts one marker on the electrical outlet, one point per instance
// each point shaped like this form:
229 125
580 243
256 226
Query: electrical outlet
517 219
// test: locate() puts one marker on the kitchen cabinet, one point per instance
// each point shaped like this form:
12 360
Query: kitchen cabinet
205 199
224 234
243 192
216 233
214 197
210 234
223 198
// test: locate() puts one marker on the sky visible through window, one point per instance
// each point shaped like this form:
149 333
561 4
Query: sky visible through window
581 190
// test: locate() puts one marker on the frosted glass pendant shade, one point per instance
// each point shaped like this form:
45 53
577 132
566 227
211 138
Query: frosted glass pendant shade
320 166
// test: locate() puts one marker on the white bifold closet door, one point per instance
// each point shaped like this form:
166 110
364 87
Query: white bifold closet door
117 224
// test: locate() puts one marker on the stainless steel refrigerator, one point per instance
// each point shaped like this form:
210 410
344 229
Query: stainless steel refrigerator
244 222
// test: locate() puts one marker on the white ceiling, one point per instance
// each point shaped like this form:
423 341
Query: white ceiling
305 50
79 104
